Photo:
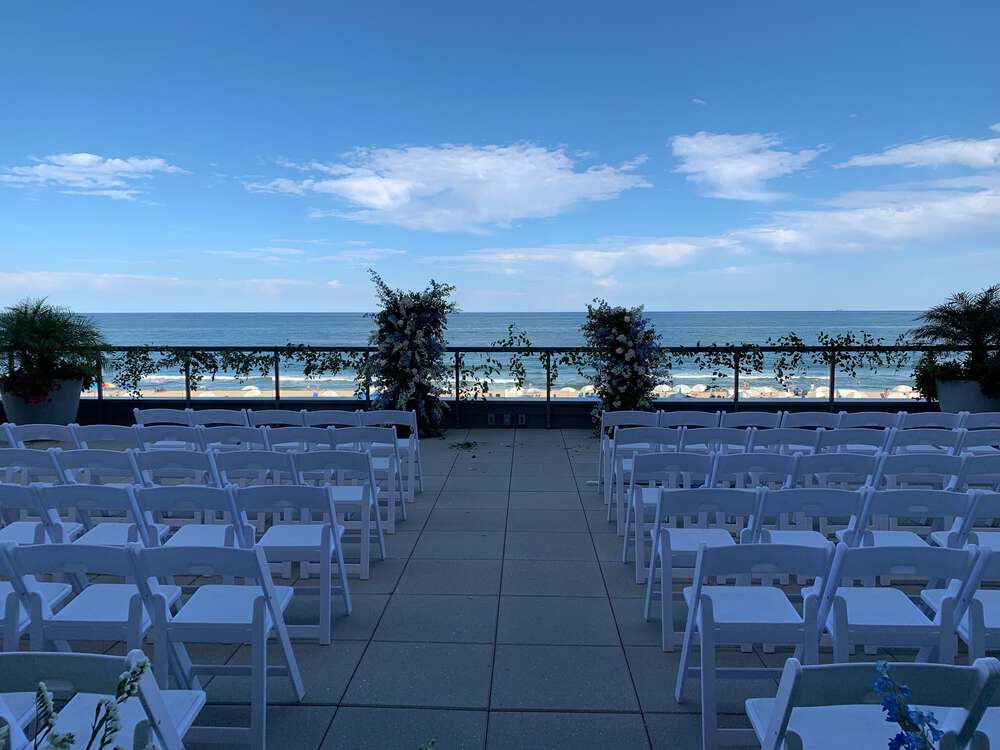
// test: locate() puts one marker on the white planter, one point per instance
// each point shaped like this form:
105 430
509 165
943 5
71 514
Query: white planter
59 408
964 395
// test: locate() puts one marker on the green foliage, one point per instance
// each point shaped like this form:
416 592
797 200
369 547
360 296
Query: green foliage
408 368
476 379
964 320
44 344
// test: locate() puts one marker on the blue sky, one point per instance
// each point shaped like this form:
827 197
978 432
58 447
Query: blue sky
234 156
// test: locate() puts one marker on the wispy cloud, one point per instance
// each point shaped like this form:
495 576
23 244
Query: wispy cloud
265 254
89 174
737 166
976 153
699 102
449 188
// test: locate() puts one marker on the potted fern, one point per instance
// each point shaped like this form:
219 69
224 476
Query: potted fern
49 355
971 321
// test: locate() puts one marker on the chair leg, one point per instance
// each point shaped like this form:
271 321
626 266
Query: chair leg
342 571
258 689
290 661
685 655
709 720
668 636
325 594
654 557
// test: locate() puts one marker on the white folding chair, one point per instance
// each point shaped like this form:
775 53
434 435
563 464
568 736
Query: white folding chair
298 438
752 470
351 478
408 447
110 514
611 420
162 416
315 538
810 420
219 418
17 618
784 440
980 472
250 613
884 616
165 503
381 444
758 419
175 467
747 613
275 418
937 471
98 610
28 465
831 707
624 443
715 439
332 418
97 466
864 440
234 438
817 513
675 547
984 442
26 435
986 420
941 420
925 440
868 419
106 436
170 437
847 470
650 472
940 513
151 718
689 419
976 612
978 524
18 507
251 467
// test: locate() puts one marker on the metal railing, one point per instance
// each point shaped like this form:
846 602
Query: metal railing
737 355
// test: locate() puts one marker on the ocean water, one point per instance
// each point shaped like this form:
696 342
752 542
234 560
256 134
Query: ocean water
473 329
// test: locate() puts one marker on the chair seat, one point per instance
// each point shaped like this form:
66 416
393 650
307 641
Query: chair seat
940 538
894 538
687 541
117 533
217 604
201 535
989 598
801 537
880 606
182 708
22 707
53 594
348 493
829 727
296 537
988 539
757 605
21 532
107 603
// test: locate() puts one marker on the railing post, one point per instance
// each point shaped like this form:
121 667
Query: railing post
187 381
368 382
736 380
458 387
277 379
548 390
833 377
100 387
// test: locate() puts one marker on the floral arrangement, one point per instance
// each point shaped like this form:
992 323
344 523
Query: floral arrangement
408 367
43 345
919 729
104 728
624 355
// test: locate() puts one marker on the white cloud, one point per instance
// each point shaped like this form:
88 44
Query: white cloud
89 174
995 127
976 153
457 187
362 256
737 166
266 254
699 102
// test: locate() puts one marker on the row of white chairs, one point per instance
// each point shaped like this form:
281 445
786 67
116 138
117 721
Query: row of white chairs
350 475
806 421
757 611
309 531
143 603
869 518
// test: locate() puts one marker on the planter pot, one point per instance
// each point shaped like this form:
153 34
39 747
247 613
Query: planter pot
59 408
964 395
